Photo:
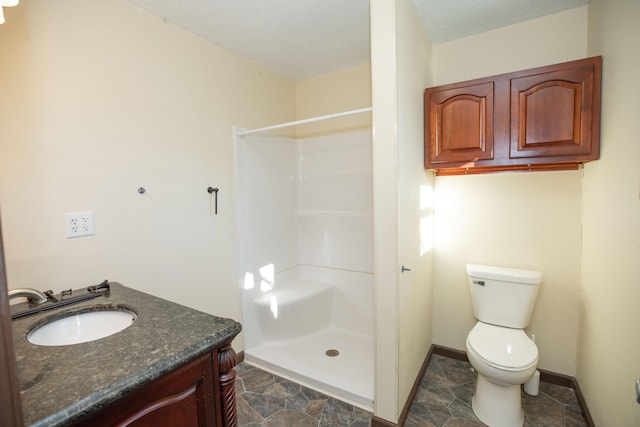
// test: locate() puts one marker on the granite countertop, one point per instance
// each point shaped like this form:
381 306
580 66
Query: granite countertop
61 384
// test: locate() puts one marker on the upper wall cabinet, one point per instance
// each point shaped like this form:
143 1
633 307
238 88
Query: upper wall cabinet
546 118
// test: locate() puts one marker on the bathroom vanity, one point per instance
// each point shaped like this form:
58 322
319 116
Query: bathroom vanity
172 366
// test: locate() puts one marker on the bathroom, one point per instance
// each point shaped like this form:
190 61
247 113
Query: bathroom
153 113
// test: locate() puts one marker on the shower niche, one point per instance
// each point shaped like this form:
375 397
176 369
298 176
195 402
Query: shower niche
306 258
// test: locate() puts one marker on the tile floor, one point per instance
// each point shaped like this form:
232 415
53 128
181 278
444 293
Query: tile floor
443 400
264 399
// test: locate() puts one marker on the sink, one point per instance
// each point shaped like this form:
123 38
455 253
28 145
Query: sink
75 327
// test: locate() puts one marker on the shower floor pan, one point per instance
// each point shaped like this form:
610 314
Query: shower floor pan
311 361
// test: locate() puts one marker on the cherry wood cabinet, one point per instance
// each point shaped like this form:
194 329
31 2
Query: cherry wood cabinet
546 118
201 393
462 123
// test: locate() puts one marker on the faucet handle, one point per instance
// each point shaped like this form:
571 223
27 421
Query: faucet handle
50 296
103 286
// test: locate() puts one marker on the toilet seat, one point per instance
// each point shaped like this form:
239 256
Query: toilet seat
503 348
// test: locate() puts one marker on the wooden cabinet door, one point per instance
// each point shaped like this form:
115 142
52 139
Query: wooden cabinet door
553 113
182 398
459 123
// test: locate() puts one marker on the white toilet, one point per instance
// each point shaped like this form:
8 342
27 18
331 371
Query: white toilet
497 346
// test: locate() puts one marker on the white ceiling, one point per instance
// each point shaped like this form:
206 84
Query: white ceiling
304 38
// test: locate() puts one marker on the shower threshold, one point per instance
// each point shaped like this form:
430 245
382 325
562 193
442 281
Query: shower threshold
312 361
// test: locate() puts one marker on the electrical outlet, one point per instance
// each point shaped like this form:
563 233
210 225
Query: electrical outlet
79 224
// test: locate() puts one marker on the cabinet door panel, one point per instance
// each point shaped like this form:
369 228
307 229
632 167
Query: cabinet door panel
181 398
551 113
179 410
461 124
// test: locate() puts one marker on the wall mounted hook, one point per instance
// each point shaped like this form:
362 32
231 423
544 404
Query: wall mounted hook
214 190
141 190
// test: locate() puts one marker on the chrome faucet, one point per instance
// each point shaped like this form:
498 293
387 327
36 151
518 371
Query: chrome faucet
32 295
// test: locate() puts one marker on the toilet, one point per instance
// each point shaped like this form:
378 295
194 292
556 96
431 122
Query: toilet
498 347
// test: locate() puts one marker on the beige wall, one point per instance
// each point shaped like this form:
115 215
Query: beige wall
415 201
400 57
385 213
525 220
98 99
555 38
343 90
608 361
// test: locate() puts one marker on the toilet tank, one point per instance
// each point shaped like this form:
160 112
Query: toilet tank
503 296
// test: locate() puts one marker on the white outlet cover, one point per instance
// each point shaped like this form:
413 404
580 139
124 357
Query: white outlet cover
79 224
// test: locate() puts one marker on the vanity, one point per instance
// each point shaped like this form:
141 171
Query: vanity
171 366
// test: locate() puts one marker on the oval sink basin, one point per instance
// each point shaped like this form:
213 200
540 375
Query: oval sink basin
76 328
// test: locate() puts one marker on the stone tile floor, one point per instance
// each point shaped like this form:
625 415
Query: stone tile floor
443 400
445 392
264 399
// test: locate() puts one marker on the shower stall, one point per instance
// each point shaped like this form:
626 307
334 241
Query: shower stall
306 258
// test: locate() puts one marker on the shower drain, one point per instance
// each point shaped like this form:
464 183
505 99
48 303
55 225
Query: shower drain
332 352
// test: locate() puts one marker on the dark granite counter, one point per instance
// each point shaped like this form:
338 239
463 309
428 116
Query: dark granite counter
61 384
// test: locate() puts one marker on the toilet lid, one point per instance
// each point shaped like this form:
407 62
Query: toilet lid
503 347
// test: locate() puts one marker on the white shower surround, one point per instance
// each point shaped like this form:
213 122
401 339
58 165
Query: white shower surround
306 254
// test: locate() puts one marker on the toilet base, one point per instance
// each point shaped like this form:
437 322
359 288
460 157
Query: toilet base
498 405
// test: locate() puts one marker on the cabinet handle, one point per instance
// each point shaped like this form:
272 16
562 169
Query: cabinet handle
403 269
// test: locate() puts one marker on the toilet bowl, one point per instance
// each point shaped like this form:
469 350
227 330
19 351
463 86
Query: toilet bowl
504 359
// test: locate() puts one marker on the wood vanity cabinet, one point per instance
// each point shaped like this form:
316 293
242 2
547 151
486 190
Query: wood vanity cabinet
199 393
546 118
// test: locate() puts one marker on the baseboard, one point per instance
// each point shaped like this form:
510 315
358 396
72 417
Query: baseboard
557 379
414 390
451 353
583 404
379 422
